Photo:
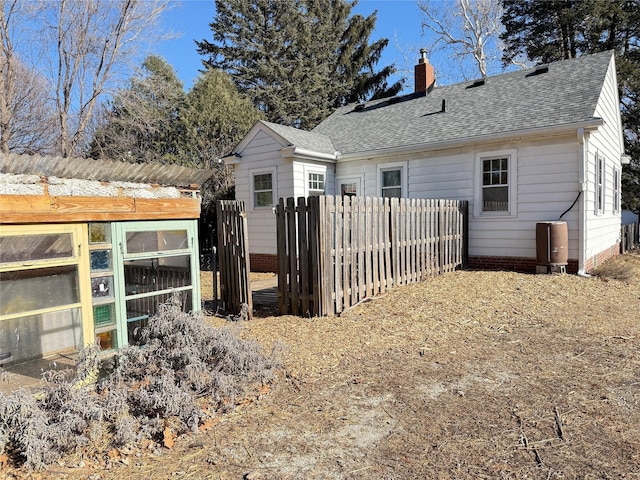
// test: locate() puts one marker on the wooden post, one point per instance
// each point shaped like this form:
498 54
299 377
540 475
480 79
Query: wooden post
283 272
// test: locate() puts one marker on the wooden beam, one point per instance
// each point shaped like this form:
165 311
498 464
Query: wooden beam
16 209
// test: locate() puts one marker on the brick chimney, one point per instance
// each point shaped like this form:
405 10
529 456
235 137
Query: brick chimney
424 74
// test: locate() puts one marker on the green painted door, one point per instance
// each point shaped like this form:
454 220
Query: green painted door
153 261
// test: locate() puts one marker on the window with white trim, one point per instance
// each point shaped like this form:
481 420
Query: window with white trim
262 185
392 180
616 190
496 183
599 197
391 185
315 184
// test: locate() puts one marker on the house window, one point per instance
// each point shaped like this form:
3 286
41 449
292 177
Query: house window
348 189
349 186
495 184
263 189
599 199
315 184
391 183
616 191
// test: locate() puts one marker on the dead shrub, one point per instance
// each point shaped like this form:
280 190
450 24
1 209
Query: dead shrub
182 370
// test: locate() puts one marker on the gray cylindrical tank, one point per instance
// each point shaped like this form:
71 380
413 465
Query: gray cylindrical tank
552 243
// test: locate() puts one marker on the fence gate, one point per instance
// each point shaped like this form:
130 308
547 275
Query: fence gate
233 257
333 252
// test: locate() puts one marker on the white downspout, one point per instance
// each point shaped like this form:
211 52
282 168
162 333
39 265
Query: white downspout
583 156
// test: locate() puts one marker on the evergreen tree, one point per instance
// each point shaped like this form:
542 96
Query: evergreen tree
297 59
215 120
548 30
144 120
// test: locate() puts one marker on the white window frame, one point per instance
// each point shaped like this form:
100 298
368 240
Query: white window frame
274 184
512 159
314 170
385 167
617 197
355 179
599 184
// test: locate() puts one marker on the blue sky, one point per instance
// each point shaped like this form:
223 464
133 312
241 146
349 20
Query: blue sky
397 20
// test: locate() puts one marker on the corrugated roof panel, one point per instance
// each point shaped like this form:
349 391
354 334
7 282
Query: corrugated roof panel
103 170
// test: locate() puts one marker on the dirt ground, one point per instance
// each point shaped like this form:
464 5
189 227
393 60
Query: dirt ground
468 375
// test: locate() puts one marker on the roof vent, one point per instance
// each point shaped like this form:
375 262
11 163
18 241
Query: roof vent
540 69
477 83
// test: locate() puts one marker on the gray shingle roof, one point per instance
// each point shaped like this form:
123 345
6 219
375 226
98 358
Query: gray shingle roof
567 93
314 141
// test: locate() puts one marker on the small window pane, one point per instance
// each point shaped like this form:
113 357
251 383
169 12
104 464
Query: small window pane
143 276
99 233
21 248
264 199
495 199
103 315
348 189
262 182
102 287
27 290
392 192
34 336
100 260
140 310
156 241
107 340
391 178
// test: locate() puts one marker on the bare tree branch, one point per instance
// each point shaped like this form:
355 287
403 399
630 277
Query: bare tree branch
468 27
26 120
93 39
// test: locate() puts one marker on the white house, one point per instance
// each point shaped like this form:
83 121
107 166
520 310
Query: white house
523 147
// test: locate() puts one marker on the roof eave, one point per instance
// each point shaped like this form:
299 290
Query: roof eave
554 130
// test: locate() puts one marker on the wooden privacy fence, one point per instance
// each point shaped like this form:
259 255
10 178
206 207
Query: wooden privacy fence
629 237
334 252
233 257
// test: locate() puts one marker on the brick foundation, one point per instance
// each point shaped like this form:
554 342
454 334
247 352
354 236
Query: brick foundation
513 264
263 262
596 261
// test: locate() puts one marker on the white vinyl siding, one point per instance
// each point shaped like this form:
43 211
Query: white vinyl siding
262 154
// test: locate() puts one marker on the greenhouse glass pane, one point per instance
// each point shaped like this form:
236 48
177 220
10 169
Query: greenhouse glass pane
27 290
22 248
